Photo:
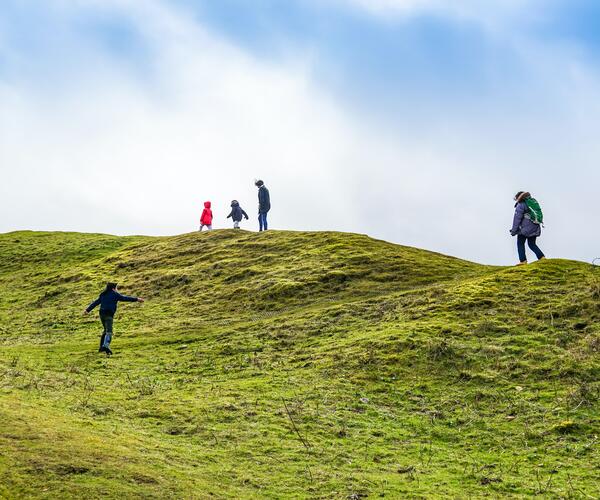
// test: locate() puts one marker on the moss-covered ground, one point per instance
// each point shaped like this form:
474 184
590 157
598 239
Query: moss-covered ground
294 365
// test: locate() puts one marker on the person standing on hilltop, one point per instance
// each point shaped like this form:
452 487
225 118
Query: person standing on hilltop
264 205
206 217
236 214
108 301
527 225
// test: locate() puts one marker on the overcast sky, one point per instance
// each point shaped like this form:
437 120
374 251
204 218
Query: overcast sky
413 121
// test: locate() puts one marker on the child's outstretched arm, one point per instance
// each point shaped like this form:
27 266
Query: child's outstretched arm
127 298
89 308
245 214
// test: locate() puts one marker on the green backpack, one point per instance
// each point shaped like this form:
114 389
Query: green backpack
534 211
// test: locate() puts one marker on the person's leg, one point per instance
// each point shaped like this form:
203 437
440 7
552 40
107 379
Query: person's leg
209 227
108 322
534 248
262 221
103 336
236 224
521 248
201 226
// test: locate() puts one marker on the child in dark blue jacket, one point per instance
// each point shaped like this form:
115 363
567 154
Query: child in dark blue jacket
108 301
236 214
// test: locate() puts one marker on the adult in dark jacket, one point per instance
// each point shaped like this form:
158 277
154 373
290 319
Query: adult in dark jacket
525 229
264 205
236 214
108 301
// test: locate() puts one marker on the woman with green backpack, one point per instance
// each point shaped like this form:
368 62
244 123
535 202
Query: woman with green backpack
527 225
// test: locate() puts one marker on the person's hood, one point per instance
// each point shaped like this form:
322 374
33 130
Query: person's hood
207 204
235 203
522 197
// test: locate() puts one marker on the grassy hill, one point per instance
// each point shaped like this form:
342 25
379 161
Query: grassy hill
283 364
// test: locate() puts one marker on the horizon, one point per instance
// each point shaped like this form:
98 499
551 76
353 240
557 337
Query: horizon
234 231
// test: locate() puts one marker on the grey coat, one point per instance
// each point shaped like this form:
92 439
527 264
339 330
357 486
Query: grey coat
523 225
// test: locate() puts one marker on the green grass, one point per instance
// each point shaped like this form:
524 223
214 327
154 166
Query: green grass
288 364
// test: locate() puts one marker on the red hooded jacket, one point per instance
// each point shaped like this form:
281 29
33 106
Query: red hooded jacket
207 216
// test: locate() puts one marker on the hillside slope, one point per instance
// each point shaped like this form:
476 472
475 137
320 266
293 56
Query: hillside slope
289 364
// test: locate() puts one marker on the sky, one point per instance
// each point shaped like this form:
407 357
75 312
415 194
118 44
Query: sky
413 121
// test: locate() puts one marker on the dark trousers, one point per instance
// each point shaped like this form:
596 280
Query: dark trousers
531 242
107 324
262 221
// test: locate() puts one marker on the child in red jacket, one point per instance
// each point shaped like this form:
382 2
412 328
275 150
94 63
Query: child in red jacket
206 217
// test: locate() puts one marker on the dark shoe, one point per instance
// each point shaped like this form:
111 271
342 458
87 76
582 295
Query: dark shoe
101 349
108 351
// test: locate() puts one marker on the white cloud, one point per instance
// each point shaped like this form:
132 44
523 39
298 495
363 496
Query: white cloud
115 151
457 7
492 15
210 121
